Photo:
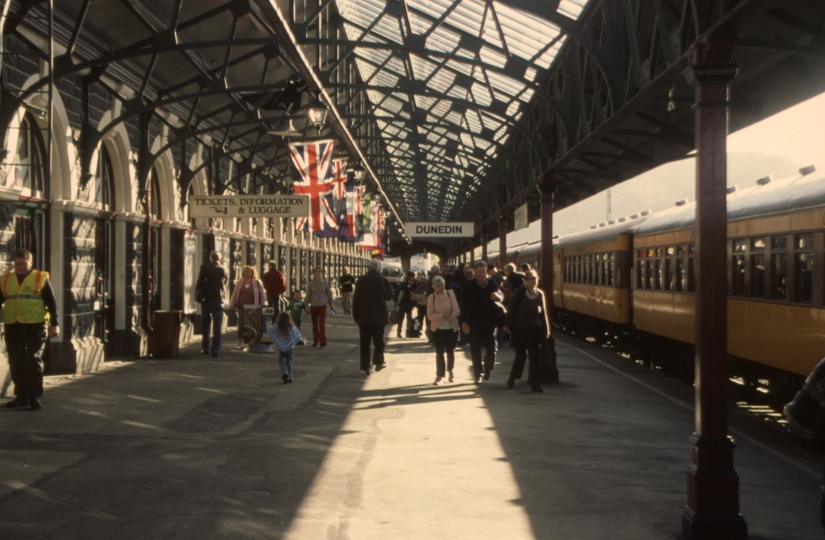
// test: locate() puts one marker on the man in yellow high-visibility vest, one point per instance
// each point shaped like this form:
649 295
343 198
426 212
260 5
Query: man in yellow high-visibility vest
27 298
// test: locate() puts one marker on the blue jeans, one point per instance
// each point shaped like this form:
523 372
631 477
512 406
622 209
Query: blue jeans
212 317
285 361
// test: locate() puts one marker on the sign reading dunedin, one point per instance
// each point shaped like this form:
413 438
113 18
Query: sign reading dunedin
440 230
240 206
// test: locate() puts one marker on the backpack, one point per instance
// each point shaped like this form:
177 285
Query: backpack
203 292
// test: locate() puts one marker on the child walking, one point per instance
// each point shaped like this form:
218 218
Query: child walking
285 336
297 307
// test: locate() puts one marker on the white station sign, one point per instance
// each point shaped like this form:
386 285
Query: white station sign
240 206
440 230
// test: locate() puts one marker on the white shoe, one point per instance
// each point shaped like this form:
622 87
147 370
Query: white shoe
437 381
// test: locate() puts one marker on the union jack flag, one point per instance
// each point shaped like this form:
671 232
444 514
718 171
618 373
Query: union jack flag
339 178
311 172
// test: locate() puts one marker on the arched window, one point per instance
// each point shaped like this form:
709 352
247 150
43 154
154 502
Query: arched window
29 169
154 210
104 180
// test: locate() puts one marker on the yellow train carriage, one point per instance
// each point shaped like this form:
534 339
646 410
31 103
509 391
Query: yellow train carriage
776 251
592 272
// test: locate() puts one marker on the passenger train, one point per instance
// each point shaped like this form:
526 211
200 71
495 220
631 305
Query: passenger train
632 281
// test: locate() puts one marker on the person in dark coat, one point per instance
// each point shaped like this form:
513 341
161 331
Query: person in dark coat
369 310
212 310
478 319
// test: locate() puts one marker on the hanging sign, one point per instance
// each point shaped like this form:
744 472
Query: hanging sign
520 218
440 230
240 206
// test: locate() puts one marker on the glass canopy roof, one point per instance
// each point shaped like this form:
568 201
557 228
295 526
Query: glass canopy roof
448 81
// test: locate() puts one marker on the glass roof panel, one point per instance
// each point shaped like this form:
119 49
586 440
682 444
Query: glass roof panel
434 97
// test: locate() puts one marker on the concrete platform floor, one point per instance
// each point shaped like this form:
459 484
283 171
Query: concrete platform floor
202 447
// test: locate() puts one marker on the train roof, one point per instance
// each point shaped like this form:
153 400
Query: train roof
603 232
768 197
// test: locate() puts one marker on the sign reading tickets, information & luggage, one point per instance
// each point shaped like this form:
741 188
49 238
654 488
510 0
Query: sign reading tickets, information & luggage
240 206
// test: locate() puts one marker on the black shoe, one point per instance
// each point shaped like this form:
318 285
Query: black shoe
323 344
381 366
487 374
16 402
34 403
315 344
365 372
511 382
536 388
204 352
285 379
288 381
214 355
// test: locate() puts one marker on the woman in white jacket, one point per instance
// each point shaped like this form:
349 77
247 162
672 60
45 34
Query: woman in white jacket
442 311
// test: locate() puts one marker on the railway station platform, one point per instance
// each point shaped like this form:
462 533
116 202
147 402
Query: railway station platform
201 447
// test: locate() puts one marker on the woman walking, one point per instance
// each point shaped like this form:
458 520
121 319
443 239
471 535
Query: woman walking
526 320
442 311
285 336
319 296
248 291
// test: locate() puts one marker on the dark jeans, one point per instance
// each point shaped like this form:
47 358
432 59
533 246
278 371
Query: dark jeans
482 336
212 318
444 340
24 346
405 311
524 341
374 333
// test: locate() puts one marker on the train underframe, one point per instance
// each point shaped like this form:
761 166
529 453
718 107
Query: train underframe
750 381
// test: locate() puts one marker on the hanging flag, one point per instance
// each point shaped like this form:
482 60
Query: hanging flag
372 239
339 204
311 172
355 211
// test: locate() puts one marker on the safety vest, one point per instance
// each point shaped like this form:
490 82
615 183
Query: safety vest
24 302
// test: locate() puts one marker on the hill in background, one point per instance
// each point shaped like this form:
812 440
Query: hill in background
654 190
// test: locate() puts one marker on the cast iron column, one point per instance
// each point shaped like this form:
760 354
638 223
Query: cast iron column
712 510
502 239
547 185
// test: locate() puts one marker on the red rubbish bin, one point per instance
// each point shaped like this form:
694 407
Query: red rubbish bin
164 339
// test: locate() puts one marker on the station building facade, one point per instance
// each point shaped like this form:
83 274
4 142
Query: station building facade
118 248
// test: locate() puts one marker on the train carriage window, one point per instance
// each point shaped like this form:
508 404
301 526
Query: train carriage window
779 263
757 275
738 277
640 255
740 245
656 284
757 244
610 269
680 274
691 269
803 269
664 275
646 274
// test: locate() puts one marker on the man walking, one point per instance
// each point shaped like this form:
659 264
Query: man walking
212 310
369 310
478 319
345 283
274 285
28 302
